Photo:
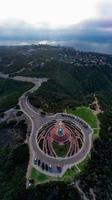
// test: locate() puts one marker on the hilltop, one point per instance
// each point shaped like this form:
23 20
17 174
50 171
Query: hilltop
78 83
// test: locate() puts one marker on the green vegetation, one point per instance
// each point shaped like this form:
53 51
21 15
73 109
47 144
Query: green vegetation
13 165
54 191
98 173
61 150
38 177
86 114
12 133
53 96
82 165
69 175
10 91
71 85
74 79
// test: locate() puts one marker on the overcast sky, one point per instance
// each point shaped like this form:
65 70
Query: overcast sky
83 23
50 12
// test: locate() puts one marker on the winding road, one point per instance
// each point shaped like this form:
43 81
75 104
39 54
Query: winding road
37 121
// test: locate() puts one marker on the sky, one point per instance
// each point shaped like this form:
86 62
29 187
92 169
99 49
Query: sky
53 13
84 24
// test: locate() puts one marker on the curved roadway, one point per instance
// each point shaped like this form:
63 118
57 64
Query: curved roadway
38 121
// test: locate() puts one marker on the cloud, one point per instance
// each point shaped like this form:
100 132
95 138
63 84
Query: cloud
90 35
105 9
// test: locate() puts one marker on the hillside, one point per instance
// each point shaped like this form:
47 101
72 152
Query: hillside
10 91
74 78
71 85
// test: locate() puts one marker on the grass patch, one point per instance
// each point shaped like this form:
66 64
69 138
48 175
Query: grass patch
61 150
39 177
87 115
83 164
69 175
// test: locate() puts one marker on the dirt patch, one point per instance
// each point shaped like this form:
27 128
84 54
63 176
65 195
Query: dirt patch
95 106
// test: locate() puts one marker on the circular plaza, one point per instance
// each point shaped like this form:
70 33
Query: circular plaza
56 142
59 135
59 142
